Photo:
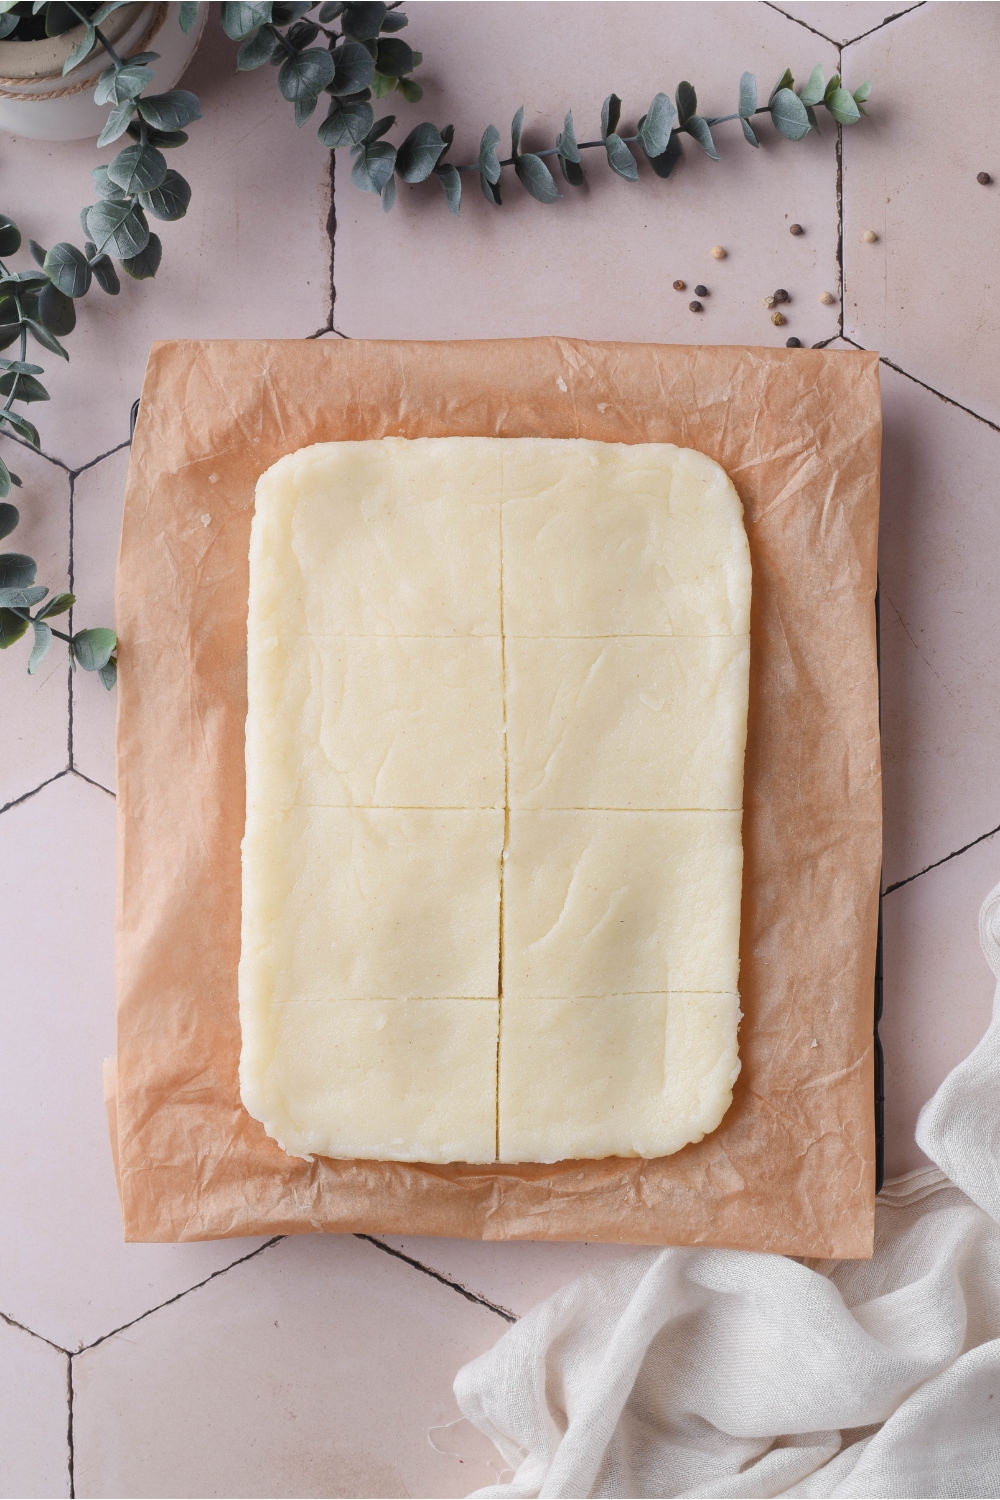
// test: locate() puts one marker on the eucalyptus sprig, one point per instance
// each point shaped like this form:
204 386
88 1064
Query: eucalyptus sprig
94 650
377 162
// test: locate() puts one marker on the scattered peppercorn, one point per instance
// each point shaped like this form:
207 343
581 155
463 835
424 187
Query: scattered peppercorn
777 319
701 291
984 178
717 252
826 298
695 306
768 301
795 229
781 295
793 343
679 286
869 236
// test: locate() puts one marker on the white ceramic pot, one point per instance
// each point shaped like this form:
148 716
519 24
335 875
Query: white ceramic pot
37 101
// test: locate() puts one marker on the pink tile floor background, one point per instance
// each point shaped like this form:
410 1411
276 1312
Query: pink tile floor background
323 1366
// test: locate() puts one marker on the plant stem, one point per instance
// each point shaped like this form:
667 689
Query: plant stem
99 34
22 614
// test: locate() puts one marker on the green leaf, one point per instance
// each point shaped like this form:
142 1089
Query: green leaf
9 517
381 127
105 275
8 23
12 627
170 111
21 426
420 152
812 93
329 12
102 12
306 74
811 117
302 34
117 123
170 200
56 311
28 388
108 673
39 651
536 178
843 108
164 140
116 85
664 164
394 21
188 15
410 90
784 82
10 236
687 102
20 367
93 648
832 87
697 126
6 480
566 141
373 166
451 180
257 50
120 229
654 132
789 115
620 158
105 187
394 57
748 95
67 268
303 109
57 605
516 126
572 172
490 190
353 69
748 133
239 20
382 85
147 262
861 96
489 163
346 124
17 570
363 20
37 252
389 194
81 50
13 598
611 111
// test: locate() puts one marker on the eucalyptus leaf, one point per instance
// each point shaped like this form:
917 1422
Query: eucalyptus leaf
353 69
381 127
239 20
188 15
146 262
843 108
164 140
410 90
611 112
516 126
748 95
664 164
117 123
654 132
373 166
306 74
789 115
389 194
620 158
116 85
105 275
861 94
394 21
697 126
14 598
108 673
303 109
42 336
56 311
812 118
6 480
420 152
27 387
786 81
536 178
12 627
10 236
81 50
92 648
489 163
491 190
105 187
20 368
748 133
382 85
8 23
9 517
814 88
572 171
687 102
302 34
257 50
832 86
170 200
346 124
566 143
170 111
137 169
363 21
395 57
57 605
120 229
39 651
17 570
451 180
21 426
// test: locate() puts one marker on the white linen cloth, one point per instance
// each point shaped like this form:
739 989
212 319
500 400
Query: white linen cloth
730 1373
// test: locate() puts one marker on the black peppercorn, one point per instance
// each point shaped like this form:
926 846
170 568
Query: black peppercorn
701 291
793 343
695 306
781 295
795 229
984 178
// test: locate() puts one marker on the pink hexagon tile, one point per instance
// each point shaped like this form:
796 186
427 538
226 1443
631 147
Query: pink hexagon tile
321 1367
938 992
34 1416
844 20
924 293
36 709
940 631
250 260
65 1271
98 498
601 262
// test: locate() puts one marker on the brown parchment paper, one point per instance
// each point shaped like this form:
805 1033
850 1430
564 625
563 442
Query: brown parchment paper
791 1168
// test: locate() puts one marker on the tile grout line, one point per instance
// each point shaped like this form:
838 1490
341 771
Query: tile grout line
16 802
799 22
222 1271
13 1323
455 1286
896 16
950 400
70 1453
74 771
91 462
943 861
69 665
